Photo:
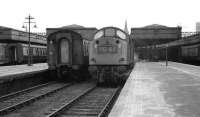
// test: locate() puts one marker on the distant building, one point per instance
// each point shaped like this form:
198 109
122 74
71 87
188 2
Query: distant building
198 27
85 32
154 34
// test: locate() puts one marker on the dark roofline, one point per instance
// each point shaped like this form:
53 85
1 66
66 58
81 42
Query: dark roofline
112 27
85 28
7 28
144 28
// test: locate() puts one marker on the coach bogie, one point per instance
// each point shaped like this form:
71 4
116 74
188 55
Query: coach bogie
109 74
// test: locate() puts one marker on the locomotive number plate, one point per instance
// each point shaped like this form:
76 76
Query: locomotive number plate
107 49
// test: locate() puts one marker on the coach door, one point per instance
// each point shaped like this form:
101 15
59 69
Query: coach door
64 51
12 54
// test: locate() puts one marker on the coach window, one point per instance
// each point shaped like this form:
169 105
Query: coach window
40 51
36 51
27 50
98 34
121 34
43 51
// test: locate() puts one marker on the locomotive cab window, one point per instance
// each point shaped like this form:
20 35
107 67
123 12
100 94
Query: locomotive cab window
110 32
98 34
121 34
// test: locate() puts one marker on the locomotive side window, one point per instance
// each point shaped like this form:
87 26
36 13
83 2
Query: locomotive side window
121 34
110 32
98 34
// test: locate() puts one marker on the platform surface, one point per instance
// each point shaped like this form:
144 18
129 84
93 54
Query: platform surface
19 69
154 90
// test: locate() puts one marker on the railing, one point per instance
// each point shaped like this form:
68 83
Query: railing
24 35
186 35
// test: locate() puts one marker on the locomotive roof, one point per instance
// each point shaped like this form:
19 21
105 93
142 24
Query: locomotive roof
116 28
123 34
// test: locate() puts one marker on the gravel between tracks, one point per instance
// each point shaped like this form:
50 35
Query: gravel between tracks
92 104
42 107
29 94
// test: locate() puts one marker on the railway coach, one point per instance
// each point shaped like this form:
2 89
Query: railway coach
17 53
67 54
111 53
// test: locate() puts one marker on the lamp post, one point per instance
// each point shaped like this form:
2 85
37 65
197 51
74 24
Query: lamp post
25 28
29 18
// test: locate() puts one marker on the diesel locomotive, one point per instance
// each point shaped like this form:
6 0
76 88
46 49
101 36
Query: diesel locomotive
111 53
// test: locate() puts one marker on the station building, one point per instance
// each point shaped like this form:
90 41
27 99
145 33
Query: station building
10 35
85 32
154 34
10 38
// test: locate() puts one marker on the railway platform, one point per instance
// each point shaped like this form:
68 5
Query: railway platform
156 90
8 72
19 77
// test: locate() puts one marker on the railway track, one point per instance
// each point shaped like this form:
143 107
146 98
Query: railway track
81 99
93 103
46 105
19 99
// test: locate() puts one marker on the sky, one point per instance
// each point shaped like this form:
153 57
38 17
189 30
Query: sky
100 13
